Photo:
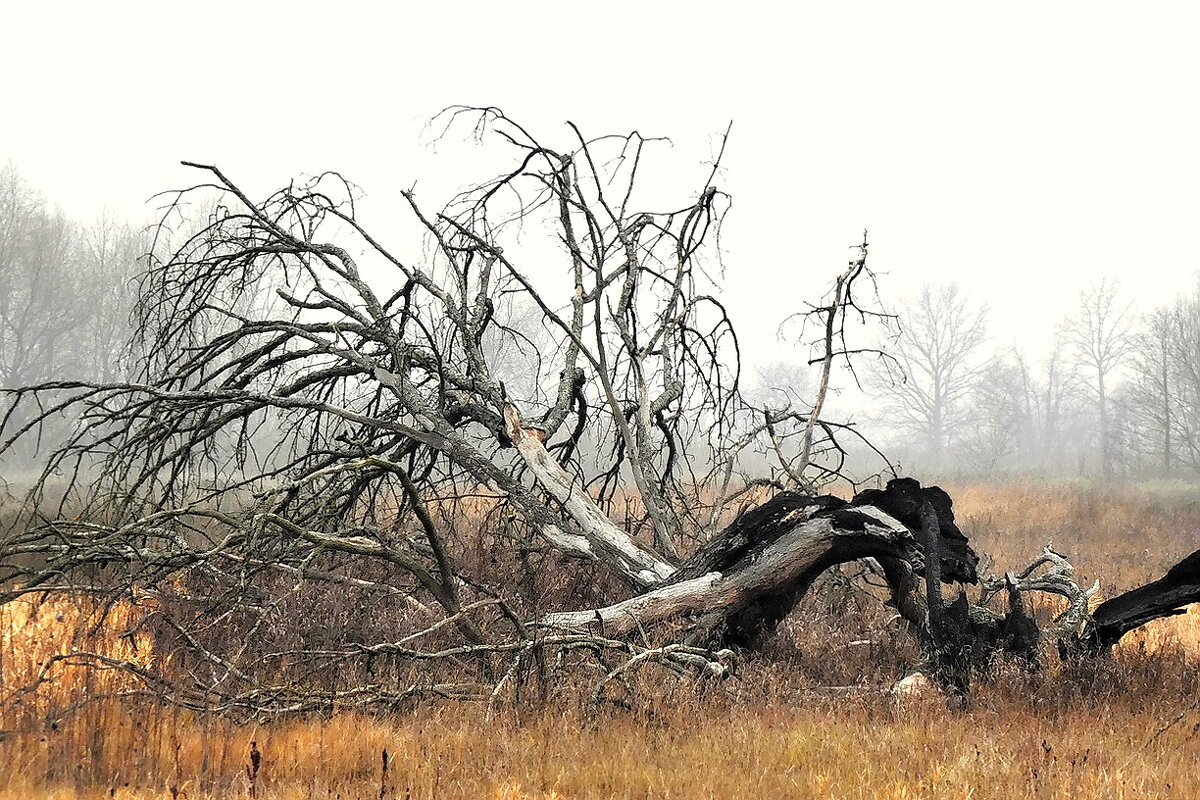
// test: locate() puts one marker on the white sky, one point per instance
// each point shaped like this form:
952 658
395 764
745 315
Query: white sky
1023 149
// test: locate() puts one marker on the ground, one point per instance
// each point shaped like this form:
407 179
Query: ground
1125 728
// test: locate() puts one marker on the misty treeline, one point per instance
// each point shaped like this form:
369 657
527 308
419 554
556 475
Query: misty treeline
66 292
66 288
1115 395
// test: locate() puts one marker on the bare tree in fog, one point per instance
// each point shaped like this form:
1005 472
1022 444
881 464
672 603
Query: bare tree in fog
39 278
1164 397
781 384
1100 336
1028 418
404 390
1153 393
1057 407
66 295
999 427
386 379
111 255
937 365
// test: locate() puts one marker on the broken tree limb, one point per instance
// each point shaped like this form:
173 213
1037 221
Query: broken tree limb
758 590
616 548
1165 597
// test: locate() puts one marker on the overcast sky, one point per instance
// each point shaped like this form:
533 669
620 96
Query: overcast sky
1022 149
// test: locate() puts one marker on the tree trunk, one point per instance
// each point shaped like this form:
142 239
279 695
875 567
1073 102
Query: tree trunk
1105 455
739 585
1166 396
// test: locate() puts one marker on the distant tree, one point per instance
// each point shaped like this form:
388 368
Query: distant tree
1100 336
1001 417
1149 400
1059 409
1184 371
1029 417
39 276
111 253
937 366
66 296
781 384
1164 397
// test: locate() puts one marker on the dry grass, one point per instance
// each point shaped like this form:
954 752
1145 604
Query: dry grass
1124 536
1126 728
805 747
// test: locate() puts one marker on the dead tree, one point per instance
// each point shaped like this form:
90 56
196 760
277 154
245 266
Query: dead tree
317 412
1165 597
1102 339
926 385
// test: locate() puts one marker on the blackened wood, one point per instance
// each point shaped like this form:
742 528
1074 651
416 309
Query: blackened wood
1164 597
747 537
903 499
753 530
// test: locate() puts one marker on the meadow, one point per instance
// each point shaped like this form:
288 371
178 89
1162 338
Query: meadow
810 717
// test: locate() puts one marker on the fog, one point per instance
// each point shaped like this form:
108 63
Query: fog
1025 153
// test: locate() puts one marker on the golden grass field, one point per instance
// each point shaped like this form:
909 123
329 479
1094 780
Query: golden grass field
1122 729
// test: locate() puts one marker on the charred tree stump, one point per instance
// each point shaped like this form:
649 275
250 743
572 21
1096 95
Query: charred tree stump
949 633
759 611
957 637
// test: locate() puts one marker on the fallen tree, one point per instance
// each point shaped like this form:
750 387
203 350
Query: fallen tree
740 584
335 457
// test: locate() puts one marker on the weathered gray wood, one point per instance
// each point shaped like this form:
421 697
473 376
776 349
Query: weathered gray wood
602 539
732 603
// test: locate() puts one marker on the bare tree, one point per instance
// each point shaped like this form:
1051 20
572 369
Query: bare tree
1164 397
109 263
384 377
937 355
1149 401
38 274
1180 424
65 295
1059 409
1100 337
1029 418
999 428
780 384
